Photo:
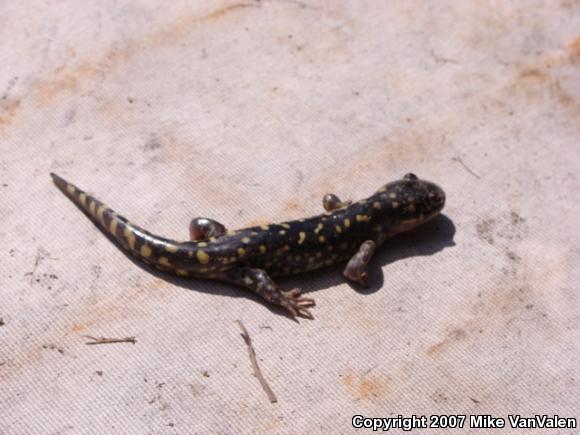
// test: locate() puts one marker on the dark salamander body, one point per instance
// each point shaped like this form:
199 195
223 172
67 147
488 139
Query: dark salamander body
249 257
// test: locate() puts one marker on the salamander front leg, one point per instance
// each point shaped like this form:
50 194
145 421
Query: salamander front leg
258 281
331 202
202 228
356 269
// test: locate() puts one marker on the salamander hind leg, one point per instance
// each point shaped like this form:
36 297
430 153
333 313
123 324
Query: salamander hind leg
202 228
258 281
331 202
356 269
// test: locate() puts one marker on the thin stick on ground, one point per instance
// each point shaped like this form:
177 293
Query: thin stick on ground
462 163
257 371
104 340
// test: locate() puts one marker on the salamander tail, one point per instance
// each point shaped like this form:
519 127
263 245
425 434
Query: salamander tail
105 218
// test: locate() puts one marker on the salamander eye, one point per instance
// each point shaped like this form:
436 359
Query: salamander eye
410 176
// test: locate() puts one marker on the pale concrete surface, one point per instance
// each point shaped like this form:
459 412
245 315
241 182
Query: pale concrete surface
249 112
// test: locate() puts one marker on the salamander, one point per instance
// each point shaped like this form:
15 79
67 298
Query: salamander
347 232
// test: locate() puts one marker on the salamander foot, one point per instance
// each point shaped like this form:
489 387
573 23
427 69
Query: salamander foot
331 202
356 269
260 282
201 229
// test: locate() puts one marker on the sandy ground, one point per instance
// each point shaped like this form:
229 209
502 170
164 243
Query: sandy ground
248 112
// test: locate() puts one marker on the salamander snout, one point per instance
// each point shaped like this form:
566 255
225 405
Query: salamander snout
412 201
435 197
418 201
429 197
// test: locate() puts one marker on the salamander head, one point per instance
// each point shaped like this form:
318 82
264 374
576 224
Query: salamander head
412 201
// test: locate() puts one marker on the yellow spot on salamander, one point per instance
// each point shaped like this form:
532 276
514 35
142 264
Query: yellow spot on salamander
100 213
182 272
282 232
248 280
361 218
265 227
113 226
83 199
318 228
347 223
241 252
301 237
231 232
70 189
338 229
321 239
395 204
245 240
262 249
285 226
92 207
393 195
377 205
202 256
145 251
128 233
164 261
202 244
170 247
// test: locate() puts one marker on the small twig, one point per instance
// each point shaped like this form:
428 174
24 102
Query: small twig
458 160
104 340
257 371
